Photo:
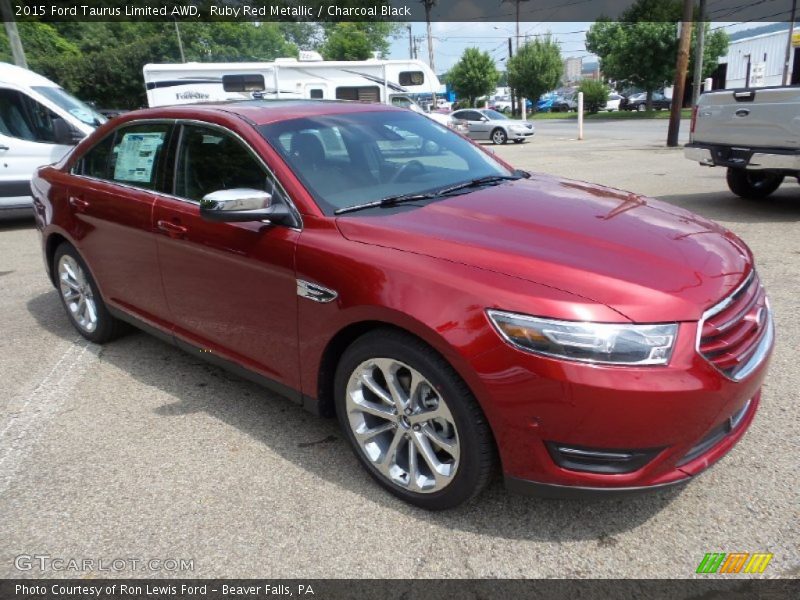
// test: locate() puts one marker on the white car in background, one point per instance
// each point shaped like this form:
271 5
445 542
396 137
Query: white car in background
613 101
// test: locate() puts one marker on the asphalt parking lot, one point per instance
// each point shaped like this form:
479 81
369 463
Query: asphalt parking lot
138 450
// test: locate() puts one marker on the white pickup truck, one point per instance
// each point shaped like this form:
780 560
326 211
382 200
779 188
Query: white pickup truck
754 132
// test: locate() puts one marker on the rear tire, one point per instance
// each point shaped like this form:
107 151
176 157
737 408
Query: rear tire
753 185
401 406
81 298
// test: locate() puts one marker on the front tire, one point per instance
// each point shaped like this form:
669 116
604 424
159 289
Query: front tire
411 421
499 137
753 185
81 298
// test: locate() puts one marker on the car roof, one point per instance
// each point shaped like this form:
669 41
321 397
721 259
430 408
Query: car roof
262 112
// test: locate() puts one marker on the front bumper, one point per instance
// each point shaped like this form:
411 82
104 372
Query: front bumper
533 402
517 135
749 158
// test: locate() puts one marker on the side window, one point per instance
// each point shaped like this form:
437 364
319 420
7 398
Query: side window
412 78
243 83
315 94
136 152
367 93
23 118
210 160
95 163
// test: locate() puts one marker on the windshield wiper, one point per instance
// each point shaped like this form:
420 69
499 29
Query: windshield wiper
402 198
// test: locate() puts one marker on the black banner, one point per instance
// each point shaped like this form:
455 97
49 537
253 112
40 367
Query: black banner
712 588
387 10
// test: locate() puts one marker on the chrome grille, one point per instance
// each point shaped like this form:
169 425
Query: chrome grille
736 334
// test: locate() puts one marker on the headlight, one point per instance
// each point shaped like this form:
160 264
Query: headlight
604 343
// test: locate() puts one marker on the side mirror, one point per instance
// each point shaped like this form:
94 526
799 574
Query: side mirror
244 204
63 134
484 119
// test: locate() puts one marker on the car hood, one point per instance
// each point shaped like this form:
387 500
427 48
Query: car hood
648 260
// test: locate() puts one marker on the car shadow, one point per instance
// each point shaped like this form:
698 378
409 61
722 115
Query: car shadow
316 445
17 223
781 207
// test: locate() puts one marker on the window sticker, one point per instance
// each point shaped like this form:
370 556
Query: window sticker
136 156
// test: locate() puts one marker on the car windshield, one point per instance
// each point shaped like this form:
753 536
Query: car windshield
494 115
349 159
72 105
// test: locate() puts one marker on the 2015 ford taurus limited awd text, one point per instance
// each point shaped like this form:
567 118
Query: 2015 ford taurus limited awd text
456 315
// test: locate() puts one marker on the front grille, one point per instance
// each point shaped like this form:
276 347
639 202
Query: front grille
735 334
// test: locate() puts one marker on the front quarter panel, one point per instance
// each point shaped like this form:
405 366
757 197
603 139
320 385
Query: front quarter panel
441 302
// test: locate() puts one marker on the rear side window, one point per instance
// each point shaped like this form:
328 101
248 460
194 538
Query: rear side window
136 154
95 162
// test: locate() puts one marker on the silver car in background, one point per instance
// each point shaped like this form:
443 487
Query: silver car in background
488 124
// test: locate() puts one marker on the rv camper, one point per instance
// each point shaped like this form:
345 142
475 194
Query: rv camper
375 80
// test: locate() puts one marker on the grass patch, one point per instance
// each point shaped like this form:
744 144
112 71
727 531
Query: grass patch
686 113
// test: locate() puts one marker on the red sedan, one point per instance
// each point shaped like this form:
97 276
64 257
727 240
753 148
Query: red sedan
451 311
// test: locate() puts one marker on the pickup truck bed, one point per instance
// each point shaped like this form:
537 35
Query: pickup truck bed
754 133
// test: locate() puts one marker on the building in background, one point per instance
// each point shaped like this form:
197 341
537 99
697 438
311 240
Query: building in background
573 66
591 70
755 58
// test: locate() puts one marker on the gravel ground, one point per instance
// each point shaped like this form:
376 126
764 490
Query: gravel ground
137 450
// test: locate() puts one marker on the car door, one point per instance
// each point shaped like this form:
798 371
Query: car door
111 197
477 129
26 142
230 287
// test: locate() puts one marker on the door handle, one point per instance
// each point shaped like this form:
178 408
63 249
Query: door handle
3 147
172 229
78 203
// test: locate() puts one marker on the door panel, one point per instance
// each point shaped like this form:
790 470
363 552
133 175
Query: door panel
111 201
230 287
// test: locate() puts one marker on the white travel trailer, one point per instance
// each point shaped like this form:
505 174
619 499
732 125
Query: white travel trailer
375 80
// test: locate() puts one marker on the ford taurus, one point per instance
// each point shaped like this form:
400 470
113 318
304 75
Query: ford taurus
455 314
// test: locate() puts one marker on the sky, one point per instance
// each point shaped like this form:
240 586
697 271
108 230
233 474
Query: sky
451 39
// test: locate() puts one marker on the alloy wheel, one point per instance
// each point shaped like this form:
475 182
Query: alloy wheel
402 425
77 293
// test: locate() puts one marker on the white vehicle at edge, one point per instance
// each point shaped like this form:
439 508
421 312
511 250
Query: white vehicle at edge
309 77
39 124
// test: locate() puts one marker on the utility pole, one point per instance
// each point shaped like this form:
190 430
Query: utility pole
681 67
180 41
14 41
410 42
699 51
513 102
787 76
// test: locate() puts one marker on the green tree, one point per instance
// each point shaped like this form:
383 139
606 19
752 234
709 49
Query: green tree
639 50
595 94
535 68
357 41
474 75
